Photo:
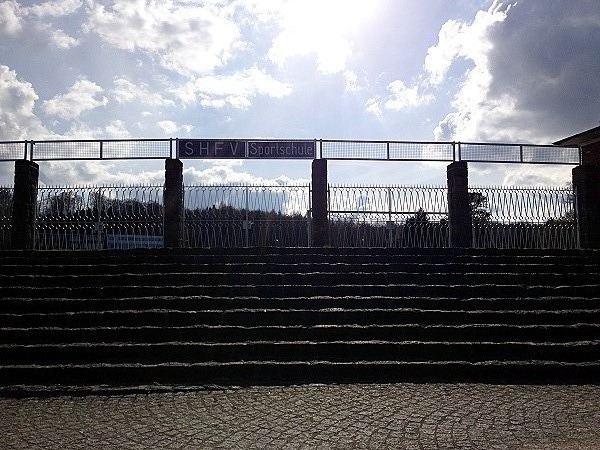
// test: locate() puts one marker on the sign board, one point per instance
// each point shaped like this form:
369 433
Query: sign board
281 149
211 148
242 149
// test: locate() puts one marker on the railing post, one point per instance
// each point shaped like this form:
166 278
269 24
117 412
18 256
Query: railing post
459 215
586 185
24 205
173 204
320 223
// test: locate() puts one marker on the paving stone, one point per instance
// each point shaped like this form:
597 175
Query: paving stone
409 416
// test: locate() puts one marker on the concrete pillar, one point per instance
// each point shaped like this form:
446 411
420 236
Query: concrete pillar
24 205
320 222
459 214
173 204
586 184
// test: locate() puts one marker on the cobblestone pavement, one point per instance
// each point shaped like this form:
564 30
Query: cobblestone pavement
398 416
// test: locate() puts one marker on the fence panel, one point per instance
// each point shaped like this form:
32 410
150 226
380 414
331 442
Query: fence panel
77 218
518 153
239 216
387 150
247 216
392 216
13 150
523 217
97 149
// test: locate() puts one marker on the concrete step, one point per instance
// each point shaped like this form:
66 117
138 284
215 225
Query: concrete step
237 251
288 317
91 377
449 289
271 280
142 267
287 351
19 305
496 333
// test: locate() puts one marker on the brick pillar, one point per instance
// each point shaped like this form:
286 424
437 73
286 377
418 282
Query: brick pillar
586 184
24 205
590 154
320 222
173 204
459 214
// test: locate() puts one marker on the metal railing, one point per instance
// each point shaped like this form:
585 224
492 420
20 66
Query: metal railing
247 216
517 153
66 150
388 216
94 217
113 217
327 149
523 217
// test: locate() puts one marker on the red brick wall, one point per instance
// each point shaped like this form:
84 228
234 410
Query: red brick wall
590 154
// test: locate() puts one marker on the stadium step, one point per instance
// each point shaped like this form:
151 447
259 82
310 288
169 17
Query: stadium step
124 319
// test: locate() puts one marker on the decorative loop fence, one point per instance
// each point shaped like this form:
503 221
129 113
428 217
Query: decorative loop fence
112 217
392 216
523 217
124 217
247 216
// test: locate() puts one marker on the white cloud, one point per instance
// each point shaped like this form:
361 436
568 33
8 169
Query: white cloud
117 129
184 36
403 96
168 126
399 97
236 90
126 92
351 81
83 96
10 18
440 57
55 8
461 40
171 128
472 43
17 102
227 174
14 16
80 130
373 105
457 40
537 176
62 40
70 173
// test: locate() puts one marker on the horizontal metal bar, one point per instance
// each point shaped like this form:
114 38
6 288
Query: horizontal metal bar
364 150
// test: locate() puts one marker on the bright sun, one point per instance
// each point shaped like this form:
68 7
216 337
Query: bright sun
322 27
338 15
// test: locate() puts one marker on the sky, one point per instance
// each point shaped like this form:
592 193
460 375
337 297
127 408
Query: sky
521 71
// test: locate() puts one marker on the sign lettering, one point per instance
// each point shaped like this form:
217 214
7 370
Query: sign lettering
281 149
211 148
241 149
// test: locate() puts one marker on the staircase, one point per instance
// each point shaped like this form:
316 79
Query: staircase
152 319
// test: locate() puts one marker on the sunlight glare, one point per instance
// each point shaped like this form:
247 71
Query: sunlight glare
329 16
323 27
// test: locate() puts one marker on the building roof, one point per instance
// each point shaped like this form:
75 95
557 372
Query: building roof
585 137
